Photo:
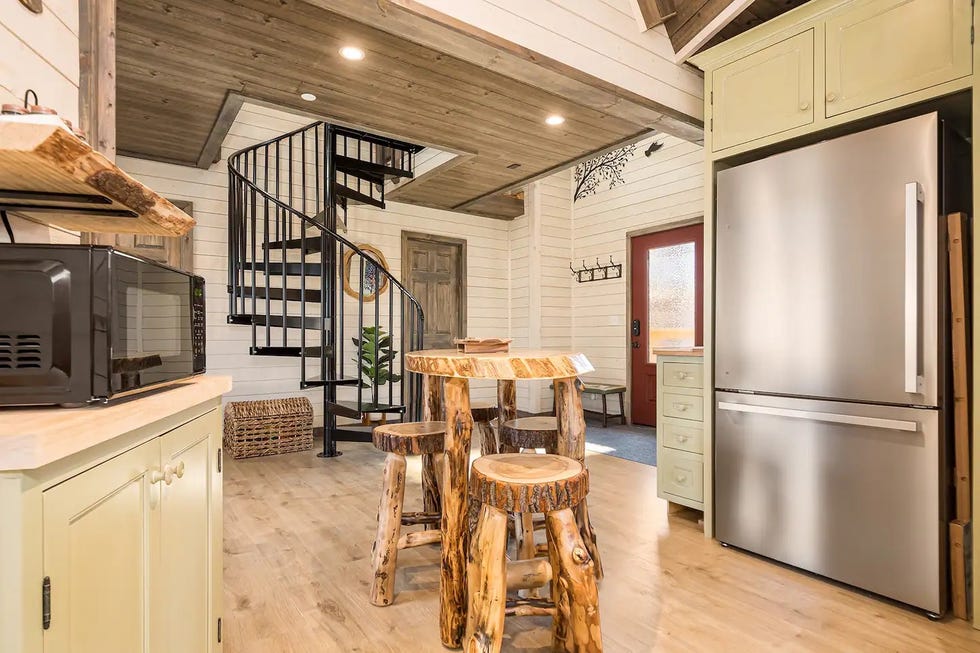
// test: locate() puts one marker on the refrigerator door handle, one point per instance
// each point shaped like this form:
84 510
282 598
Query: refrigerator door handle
837 418
913 205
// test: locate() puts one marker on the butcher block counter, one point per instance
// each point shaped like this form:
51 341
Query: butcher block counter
111 523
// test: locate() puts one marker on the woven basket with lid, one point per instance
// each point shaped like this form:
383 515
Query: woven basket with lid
268 426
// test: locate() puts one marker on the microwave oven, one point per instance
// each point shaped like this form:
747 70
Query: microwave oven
83 323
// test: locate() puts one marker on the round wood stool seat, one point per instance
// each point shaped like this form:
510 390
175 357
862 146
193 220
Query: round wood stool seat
530 433
528 483
410 438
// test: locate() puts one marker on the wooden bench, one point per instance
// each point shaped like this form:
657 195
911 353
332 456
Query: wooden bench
604 390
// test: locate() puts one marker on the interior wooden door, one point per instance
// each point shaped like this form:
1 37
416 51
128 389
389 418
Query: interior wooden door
100 529
434 270
667 306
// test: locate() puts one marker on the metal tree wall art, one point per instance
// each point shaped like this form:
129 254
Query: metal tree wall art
605 167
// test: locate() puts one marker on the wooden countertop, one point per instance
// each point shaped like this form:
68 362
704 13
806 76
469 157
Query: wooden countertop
680 351
31 438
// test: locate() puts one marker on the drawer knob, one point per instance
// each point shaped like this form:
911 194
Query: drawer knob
682 438
680 478
681 375
681 407
831 97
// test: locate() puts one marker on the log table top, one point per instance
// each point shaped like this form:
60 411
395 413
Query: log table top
514 364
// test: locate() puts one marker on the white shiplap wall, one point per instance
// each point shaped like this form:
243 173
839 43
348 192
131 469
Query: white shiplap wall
263 377
40 52
661 189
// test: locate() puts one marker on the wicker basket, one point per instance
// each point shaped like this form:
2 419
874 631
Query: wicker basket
268 427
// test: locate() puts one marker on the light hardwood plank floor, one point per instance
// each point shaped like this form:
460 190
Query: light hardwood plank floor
298 536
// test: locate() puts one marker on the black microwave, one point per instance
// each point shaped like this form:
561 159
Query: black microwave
83 323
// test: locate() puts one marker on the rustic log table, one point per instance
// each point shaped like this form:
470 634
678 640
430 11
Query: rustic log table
456 369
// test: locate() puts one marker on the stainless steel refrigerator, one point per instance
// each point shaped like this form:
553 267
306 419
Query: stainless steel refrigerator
830 358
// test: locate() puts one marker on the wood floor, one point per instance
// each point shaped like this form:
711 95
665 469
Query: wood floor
298 535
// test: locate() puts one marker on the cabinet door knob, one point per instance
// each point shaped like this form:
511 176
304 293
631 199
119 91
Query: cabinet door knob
804 106
831 97
179 469
167 475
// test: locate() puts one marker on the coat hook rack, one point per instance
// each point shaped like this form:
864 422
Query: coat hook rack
600 272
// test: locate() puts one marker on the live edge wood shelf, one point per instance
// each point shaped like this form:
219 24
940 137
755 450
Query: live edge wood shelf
54 177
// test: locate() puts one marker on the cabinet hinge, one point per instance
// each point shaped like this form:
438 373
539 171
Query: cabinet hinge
220 456
46 603
972 29
219 630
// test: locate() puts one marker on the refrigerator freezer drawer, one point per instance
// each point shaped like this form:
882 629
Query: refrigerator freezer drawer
848 491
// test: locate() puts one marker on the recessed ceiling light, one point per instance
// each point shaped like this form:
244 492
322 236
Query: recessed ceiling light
309 97
555 119
352 53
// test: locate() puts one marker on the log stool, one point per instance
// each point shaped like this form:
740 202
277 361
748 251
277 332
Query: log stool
400 440
530 483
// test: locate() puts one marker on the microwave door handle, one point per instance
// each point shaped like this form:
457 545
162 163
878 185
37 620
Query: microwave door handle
913 205
817 416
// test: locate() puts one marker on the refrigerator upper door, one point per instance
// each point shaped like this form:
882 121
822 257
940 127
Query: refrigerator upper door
848 491
827 271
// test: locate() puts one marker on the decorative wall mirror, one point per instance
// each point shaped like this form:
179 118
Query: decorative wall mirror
374 283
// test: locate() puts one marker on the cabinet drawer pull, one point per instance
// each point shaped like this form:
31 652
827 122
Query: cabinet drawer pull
681 375
680 478
681 407
681 438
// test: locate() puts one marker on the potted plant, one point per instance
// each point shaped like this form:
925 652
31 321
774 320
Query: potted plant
376 355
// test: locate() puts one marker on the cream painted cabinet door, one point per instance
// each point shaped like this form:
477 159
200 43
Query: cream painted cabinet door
764 93
99 530
882 49
182 611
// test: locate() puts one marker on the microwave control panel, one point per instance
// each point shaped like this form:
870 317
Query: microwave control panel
198 323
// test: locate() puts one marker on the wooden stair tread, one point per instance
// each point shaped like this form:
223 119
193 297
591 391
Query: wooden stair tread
39 155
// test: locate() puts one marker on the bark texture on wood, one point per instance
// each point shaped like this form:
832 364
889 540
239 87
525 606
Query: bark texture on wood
413 518
410 438
487 580
576 623
384 555
515 364
433 410
523 574
528 482
419 538
455 531
482 416
531 433
506 400
530 608
571 443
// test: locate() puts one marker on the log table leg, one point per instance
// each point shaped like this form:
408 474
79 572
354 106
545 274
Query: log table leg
455 531
506 400
487 581
384 555
432 410
576 622
571 443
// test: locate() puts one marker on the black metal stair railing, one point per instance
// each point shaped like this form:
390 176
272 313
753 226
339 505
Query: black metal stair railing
286 199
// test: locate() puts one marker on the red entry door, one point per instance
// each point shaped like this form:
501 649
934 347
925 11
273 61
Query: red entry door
667 287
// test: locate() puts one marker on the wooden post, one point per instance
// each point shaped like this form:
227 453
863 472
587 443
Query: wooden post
97 74
385 552
571 443
576 621
487 580
455 531
959 528
506 400
433 410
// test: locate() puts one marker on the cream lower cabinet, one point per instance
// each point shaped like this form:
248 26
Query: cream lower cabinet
132 549
680 430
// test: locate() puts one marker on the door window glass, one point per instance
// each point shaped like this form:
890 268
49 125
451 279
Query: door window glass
671 303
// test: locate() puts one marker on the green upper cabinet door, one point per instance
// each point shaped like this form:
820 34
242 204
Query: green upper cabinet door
765 93
883 49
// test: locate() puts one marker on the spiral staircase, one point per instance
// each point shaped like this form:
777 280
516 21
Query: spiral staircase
288 262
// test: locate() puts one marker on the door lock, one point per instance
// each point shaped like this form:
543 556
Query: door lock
635 330
636 345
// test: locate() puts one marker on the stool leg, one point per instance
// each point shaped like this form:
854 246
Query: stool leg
524 544
576 622
488 440
605 412
431 495
622 408
385 551
487 581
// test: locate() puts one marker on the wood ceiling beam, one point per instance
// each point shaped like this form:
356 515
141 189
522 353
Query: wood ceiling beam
650 13
694 26
420 24
211 152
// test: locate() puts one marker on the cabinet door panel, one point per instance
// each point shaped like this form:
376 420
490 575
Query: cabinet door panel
767 92
185 535
98 530
882 49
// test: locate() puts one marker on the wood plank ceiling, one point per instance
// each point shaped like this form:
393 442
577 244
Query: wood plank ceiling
177 60
691 16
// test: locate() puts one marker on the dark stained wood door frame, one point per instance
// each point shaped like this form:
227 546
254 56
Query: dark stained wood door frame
628 275
447 240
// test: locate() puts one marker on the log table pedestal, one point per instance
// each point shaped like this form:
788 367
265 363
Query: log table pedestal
452 396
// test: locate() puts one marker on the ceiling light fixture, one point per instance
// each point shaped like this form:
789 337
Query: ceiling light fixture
554 119
352 53
309 97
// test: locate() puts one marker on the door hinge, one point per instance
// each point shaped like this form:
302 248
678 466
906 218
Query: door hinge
220 456
219 630
972 30
46 603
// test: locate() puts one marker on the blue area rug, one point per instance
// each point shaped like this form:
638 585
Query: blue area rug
636 443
